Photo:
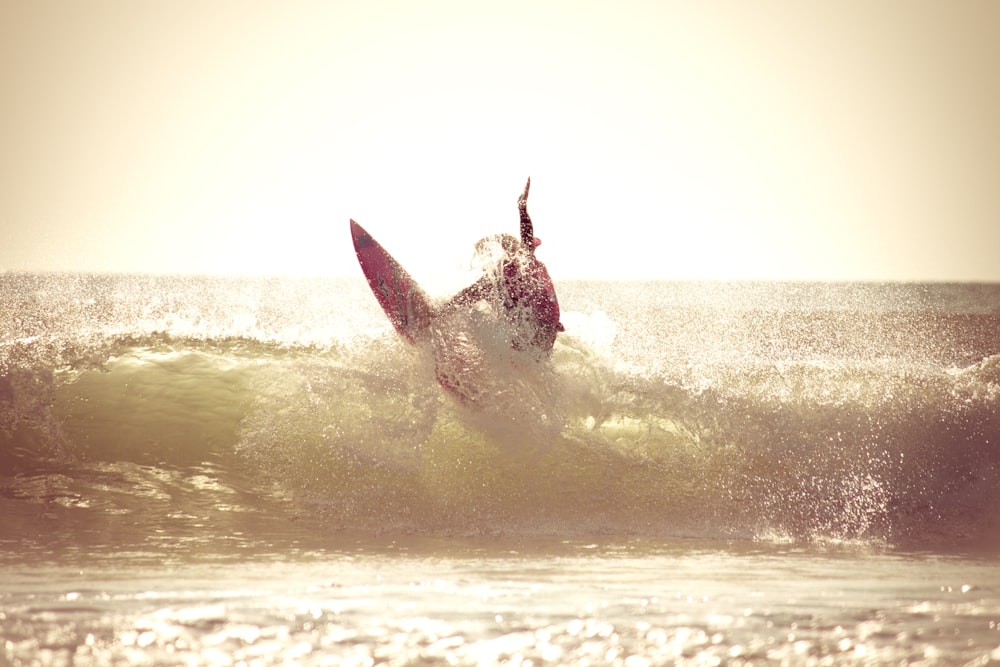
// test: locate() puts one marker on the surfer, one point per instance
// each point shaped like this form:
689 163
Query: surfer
517 283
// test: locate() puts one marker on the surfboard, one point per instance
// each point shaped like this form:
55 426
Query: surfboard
402 299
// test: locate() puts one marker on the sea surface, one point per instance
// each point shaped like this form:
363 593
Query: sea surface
260 471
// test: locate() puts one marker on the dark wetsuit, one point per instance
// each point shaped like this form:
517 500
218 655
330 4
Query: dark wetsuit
522 286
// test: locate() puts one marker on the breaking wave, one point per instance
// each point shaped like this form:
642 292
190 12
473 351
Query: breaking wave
655 415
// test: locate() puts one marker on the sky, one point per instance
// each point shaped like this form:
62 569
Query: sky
719 139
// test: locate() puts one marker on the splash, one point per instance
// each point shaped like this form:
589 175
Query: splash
656 414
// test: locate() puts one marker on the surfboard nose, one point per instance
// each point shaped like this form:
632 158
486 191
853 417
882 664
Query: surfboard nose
362 239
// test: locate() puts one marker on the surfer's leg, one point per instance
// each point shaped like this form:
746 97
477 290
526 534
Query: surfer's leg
545 337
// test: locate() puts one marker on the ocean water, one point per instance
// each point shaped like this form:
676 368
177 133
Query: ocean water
244 470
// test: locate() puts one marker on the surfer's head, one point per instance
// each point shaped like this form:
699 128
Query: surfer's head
497 244
495 250
501 246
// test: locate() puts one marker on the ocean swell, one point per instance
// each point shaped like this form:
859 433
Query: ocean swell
745 432
367 440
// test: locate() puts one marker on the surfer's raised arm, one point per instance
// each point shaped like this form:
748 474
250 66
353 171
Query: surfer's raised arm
527 229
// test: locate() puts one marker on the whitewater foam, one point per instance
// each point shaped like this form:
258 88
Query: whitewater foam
661 411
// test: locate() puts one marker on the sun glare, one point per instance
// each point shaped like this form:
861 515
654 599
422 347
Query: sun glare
663 141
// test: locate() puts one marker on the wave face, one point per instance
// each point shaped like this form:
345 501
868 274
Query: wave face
747 410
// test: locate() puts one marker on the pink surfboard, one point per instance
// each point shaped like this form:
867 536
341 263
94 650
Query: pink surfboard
402 299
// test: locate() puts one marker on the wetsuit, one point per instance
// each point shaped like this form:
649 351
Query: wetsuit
522 286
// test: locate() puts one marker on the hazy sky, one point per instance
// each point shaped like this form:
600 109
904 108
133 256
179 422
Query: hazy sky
712 139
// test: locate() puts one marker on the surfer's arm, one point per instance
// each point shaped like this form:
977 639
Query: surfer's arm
527 229
477 291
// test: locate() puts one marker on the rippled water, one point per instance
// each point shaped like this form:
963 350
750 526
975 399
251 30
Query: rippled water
423 601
